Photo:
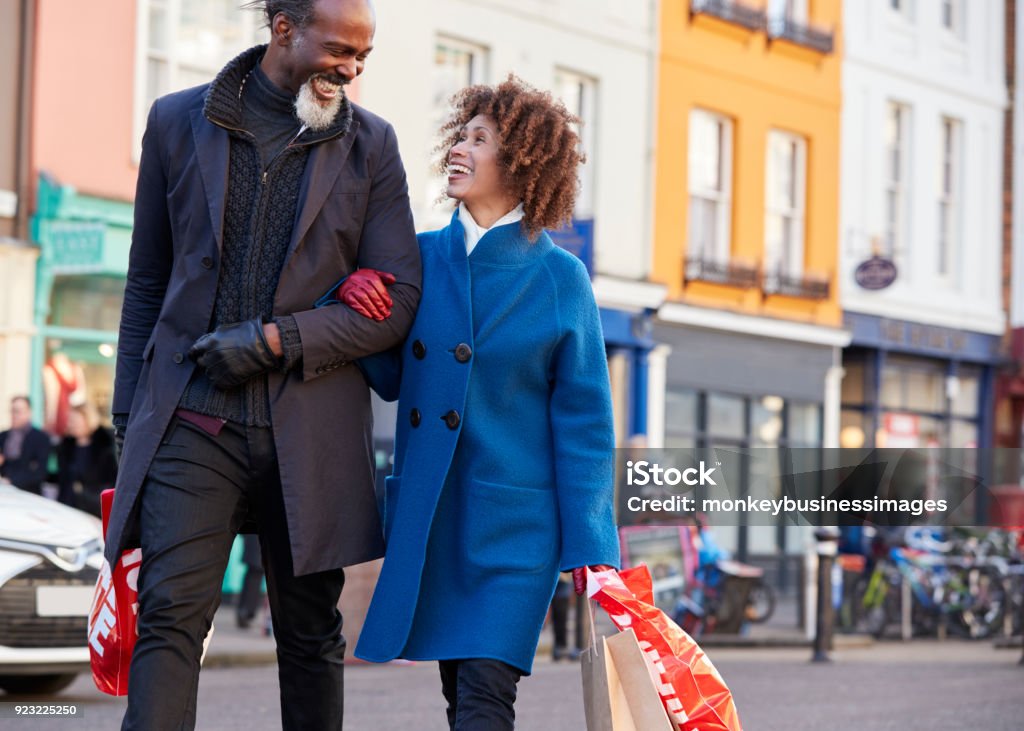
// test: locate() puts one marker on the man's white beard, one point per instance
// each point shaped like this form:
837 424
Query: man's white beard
311 112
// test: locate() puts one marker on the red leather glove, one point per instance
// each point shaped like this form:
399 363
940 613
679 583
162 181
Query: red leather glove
365 291
579 576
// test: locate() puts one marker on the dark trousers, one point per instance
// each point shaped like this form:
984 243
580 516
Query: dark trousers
481 694
198 492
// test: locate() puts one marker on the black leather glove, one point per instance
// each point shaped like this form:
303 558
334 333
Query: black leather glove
232 354
120 422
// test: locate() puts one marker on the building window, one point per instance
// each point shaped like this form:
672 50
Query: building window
784 203
710 172
897 130
949 173
795 10
183 43
457 64
953 16
903 7
579 93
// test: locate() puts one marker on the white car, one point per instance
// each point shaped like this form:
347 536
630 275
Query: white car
50 556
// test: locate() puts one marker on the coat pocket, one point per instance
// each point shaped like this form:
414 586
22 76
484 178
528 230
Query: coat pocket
391 492
511 528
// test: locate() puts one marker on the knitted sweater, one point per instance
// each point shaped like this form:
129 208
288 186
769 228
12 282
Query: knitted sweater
259 214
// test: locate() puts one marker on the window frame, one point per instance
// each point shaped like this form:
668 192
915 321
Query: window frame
587 110
957 10
789 259
479 70
948 234
896 219
721 247
250 23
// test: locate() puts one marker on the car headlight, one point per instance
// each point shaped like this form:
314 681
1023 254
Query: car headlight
71 559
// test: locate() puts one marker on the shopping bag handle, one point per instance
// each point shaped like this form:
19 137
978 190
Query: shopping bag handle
593 632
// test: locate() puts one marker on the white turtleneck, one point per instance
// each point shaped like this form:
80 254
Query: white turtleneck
475 231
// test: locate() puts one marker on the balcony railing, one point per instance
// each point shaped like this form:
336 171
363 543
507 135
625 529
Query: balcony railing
731 11
800 33
733 273
808 286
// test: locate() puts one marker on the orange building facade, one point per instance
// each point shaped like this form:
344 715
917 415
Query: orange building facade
746 231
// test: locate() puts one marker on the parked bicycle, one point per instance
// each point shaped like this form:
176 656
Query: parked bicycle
953 585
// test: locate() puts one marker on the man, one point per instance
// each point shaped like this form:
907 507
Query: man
235 399
24 450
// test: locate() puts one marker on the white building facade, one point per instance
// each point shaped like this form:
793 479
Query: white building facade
599 58
924 95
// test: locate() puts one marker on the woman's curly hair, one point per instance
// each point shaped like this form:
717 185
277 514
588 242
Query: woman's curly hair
539 150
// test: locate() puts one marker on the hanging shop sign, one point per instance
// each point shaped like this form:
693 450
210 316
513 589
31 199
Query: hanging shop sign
875 273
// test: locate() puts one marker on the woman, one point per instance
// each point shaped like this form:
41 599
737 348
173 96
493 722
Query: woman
504 445
86 463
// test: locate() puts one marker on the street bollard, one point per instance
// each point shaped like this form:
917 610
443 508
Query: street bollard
827 548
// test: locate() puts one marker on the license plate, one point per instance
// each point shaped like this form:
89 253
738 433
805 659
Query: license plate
63 601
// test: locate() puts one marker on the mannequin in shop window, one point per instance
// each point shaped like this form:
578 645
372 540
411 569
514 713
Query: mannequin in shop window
86 461
63 385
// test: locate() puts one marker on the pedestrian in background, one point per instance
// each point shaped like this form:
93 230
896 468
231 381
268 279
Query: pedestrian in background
86 462
560 603
234 395
250 597
504 448
24 449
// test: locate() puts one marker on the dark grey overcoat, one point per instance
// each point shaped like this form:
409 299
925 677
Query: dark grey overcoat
353 212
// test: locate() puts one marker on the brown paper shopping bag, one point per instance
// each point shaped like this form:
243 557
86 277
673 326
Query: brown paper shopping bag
619 693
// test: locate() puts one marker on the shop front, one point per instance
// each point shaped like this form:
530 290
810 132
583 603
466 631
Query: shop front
909 385
80 276
746 387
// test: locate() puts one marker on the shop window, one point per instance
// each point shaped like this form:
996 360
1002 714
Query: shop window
87 302
726 416
892 389
766 421
924 391
853 429
853 382
710 175
681 424
963 434
966 399
804 425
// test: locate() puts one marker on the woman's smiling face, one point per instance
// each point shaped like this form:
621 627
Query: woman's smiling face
474 175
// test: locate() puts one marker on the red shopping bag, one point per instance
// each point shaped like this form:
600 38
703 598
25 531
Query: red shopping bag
112 619
692 691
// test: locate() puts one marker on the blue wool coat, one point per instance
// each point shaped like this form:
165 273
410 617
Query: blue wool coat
504 451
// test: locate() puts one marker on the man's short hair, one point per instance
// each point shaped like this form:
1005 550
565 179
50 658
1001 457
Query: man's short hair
301 12
22 397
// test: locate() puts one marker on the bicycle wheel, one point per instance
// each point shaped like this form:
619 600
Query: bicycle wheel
985 603
877 603
760 603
